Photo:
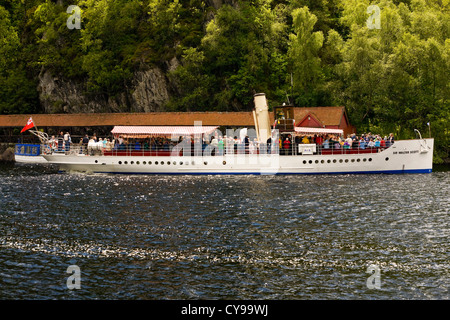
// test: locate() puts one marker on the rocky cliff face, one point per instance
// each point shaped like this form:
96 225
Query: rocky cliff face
150 89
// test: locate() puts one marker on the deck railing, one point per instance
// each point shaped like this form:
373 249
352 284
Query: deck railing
203 150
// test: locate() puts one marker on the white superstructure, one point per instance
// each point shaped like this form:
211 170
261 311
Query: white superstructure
404 156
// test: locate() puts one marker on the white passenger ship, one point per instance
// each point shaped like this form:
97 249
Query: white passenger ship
403 156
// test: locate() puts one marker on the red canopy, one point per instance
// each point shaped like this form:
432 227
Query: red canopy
146 131
307 130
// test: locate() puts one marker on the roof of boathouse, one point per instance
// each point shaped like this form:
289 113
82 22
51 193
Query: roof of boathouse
329 116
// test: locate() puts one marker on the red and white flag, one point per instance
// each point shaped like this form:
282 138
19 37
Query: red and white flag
30 124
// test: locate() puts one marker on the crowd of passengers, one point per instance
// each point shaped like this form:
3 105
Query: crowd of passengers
337 142
94 144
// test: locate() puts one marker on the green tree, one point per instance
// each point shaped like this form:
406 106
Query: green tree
303 55
17 88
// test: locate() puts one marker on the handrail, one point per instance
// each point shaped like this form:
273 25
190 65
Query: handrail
190 150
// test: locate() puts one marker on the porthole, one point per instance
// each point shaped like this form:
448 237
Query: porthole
96 161
205 163
174 163
126 162
144 162
193 163
304 161
137 162
132 162
387 159
340 160
224 162
317 161
334 160
364 160
156 162
120 162
328 161
181 162
149 162
370 159
358 160
310 161
346 160
168 162
353 160
322 161
162 162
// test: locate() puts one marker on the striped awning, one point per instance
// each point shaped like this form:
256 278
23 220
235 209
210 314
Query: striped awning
307 130
145 131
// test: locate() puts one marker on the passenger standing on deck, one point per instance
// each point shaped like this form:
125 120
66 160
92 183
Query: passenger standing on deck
60 141
286 145
84 143
221 146
305 140
67 141
391 138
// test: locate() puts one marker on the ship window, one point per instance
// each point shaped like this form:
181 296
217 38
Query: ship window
137 162
149 162
174 163
346 160
132 162
156 162
144 162
96 161
168 162
181 162
317 161
370 159
205 163
387 159
126 162
334 160
364 159
358 160
340 160
353 160
120 162
304 161
162 162
224 162
310 161
322 161
328 161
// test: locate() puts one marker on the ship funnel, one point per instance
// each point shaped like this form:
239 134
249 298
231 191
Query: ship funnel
261 117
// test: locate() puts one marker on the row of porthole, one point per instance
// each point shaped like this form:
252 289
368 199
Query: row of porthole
340 160
162 162
224 162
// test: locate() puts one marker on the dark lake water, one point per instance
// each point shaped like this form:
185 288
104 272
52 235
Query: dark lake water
223 237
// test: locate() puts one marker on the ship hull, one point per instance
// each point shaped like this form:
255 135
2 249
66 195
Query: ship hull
405 156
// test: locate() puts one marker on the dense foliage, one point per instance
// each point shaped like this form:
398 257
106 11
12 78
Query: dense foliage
311 52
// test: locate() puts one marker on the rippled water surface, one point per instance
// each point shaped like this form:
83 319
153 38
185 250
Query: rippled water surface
223 237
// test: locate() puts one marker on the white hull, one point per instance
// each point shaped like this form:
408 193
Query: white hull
30 159
405 156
